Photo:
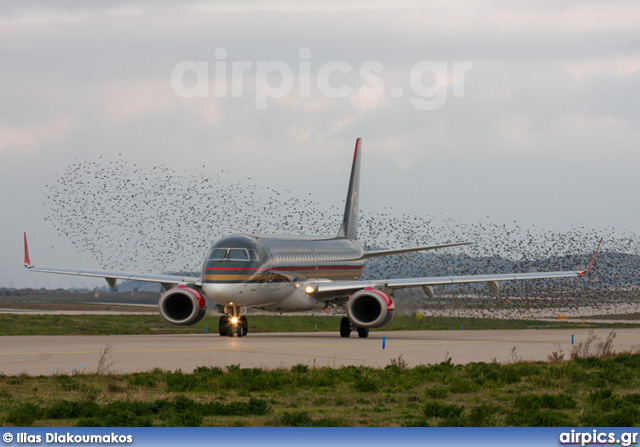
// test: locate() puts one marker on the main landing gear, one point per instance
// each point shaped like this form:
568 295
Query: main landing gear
233 323
346 327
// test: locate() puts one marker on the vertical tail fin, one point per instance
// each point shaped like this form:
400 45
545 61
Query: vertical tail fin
349 228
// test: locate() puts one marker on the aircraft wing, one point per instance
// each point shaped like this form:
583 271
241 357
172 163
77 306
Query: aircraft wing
167 281
325 291
403 283
372 254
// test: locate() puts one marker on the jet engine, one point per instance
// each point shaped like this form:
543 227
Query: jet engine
182 306
370 308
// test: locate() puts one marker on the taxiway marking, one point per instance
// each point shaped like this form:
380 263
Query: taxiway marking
258 347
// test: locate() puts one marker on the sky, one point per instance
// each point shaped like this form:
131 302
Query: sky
512 111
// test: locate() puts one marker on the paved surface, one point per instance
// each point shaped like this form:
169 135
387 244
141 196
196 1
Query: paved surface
44 355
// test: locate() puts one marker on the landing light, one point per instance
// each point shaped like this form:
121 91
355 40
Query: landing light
309 289
234 320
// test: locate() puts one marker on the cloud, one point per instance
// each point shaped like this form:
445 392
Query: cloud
35 136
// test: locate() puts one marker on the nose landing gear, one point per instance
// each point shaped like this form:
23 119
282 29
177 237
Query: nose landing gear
233 323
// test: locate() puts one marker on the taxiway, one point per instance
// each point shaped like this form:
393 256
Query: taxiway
49 355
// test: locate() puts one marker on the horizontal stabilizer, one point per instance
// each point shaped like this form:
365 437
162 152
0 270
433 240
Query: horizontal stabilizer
373 254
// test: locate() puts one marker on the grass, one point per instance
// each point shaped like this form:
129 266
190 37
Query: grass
588 391
11 324
74 306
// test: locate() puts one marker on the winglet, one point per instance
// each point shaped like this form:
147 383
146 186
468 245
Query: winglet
593 260
27 261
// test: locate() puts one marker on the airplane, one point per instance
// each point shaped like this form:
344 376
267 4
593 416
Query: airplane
294 274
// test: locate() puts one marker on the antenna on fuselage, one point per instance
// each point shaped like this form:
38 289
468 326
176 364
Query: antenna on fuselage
349 228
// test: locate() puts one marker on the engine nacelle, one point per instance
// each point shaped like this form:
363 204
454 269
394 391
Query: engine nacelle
370 308
182 306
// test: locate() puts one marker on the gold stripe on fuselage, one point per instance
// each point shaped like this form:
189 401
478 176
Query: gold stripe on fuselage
329 274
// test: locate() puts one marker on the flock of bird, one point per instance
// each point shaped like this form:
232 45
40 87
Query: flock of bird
155 219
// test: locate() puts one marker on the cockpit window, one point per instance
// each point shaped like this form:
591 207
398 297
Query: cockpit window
238 254
219 254
253 255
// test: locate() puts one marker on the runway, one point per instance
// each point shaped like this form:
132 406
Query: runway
49 355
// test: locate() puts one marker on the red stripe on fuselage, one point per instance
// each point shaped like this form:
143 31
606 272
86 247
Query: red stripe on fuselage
231 268
287 268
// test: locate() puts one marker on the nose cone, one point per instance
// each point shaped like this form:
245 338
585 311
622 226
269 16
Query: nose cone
234 259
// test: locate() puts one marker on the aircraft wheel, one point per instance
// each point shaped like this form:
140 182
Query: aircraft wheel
363 332
239 330
245 325
223 324
230 330
345 327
